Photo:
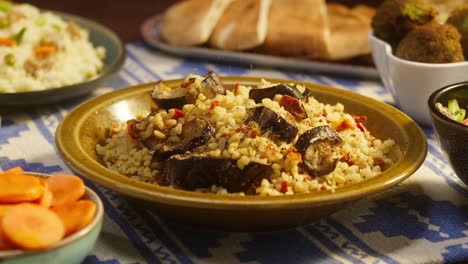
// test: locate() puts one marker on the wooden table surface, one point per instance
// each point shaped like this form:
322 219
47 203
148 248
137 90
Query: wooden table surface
124 16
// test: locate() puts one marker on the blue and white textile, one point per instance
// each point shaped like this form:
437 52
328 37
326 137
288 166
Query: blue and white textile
422 220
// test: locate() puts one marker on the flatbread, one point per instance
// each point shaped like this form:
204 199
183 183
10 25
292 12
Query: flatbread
242 26
297 28
349 31
190 22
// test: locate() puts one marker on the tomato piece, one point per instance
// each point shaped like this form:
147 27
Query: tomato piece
284 186
132 130
214 104
178 114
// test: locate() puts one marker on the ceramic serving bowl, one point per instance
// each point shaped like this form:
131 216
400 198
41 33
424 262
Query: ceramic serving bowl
72 249
452 135
411 83
85 126
99 35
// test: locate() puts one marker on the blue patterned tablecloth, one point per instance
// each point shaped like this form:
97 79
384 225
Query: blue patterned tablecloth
422 220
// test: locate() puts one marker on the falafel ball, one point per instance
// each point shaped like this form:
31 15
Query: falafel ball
395 18
431 43
459 18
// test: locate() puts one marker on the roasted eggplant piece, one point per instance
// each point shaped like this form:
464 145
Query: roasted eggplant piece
209 87
144 132
260 93
194 134
318 147
167 97
140 129
198 170
267 119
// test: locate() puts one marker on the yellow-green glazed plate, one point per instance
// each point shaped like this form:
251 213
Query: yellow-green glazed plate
85 126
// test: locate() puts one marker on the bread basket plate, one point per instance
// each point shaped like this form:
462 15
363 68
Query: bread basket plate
151 33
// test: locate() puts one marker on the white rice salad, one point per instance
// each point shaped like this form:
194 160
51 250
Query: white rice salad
39 50
360 156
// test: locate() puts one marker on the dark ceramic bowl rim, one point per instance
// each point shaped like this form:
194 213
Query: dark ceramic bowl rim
434 98
108 70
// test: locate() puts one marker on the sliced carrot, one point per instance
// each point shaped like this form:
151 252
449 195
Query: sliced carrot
46 199
75 215
44 51
16 188
4 243
13 171
30 226
65 188
9 42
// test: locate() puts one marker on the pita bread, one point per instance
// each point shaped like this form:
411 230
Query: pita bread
297 28
242 26
191 22
349 30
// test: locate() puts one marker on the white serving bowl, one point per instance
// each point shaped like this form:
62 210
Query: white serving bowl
411 83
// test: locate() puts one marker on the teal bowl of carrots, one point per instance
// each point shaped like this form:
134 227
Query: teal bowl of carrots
47 218
448 107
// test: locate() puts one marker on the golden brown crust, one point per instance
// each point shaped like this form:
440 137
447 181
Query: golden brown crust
294 31
191 22
349 31
242 26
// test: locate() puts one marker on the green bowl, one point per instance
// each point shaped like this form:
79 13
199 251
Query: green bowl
85 126
72 249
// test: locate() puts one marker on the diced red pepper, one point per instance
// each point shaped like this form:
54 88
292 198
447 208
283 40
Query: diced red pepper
345 124
293 106
284 186
187 83
346 158
131 129
378 162
359 119
214 104
293 154
244 129
178 114
236 88
361 127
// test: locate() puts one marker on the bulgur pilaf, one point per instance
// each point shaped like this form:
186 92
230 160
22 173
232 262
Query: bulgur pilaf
224 142
40 50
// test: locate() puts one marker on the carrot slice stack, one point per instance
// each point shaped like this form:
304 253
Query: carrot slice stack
65 188
30 226
36 213
75 215
17 188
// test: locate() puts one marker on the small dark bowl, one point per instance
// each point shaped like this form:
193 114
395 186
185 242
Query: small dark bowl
452 135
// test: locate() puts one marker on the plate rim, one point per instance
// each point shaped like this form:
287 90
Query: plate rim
66 140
